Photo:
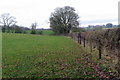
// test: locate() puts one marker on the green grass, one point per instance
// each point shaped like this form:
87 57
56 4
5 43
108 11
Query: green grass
47 32
38 56
44 32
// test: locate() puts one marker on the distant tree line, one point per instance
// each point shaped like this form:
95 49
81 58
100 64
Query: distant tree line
8 24
15 29
100 27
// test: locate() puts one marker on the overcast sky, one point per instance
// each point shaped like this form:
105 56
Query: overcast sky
91 12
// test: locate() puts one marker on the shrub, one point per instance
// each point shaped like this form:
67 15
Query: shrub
24 32
33 32
18 30
40 32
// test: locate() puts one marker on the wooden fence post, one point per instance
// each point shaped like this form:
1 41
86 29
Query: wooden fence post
79 38
90 46
84 41
118 50
100 48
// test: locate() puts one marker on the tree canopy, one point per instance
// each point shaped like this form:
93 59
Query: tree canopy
63 19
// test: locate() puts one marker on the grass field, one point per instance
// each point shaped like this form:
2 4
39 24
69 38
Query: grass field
47 32
38 56
44 32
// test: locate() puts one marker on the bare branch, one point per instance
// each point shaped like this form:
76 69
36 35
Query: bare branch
7 20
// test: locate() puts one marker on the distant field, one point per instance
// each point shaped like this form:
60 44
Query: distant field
28 56
47 32
44 32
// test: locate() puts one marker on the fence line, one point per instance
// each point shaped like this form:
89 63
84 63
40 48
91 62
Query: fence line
108 40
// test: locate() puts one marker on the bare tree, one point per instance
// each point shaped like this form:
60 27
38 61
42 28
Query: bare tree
33 28
7 21
34 25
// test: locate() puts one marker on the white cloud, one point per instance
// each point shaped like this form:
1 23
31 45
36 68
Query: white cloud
29 11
